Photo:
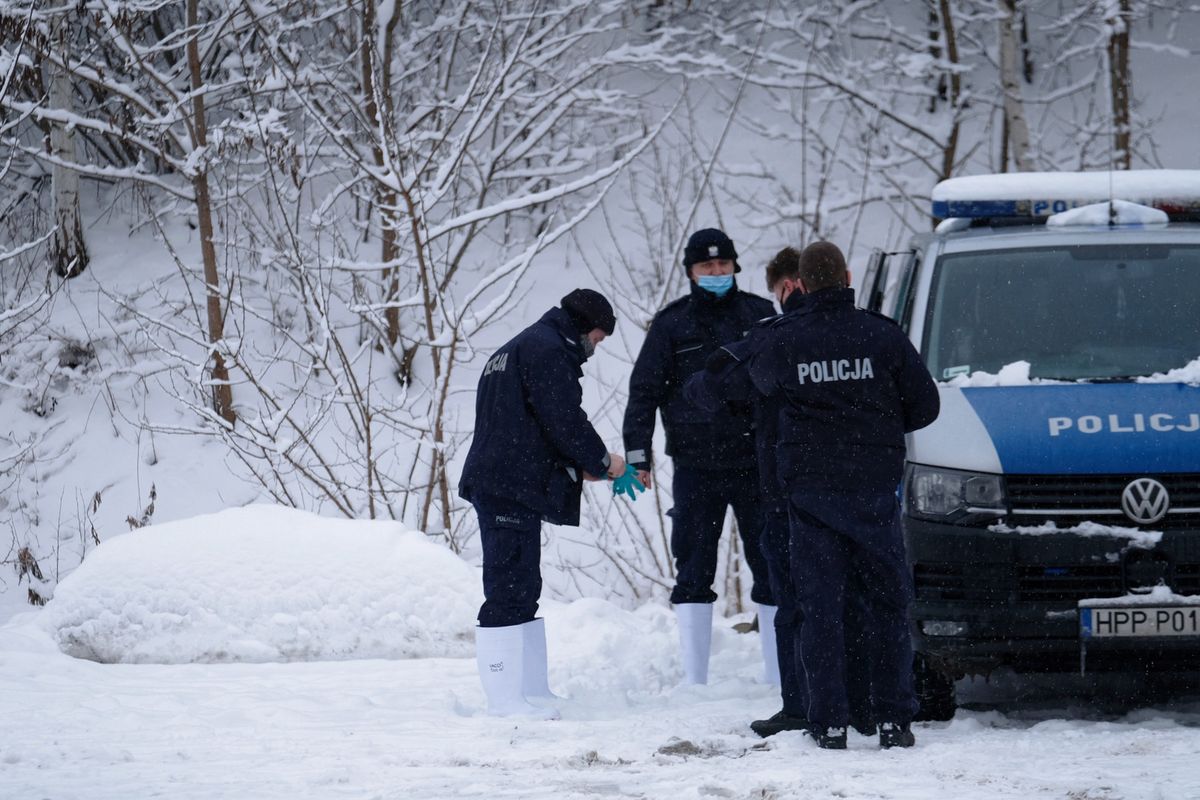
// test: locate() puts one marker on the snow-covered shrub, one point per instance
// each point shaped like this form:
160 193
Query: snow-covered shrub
265 583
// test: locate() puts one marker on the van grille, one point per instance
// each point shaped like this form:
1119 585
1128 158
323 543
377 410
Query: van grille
1069 584
1052 495
1033 583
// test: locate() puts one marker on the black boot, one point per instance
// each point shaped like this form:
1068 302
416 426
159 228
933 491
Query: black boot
830 738
895 734
777 723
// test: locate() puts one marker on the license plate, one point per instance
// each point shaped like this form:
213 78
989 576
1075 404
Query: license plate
1100 622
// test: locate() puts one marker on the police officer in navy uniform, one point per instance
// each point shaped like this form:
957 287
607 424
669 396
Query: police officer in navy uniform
725 382
533 447
713 453
850 386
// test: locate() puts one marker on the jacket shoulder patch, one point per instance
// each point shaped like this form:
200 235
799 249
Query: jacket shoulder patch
497 363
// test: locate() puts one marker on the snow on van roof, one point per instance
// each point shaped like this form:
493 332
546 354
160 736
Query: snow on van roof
1040 194
1121 213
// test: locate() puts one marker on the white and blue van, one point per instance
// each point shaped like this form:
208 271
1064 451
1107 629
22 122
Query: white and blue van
1052 513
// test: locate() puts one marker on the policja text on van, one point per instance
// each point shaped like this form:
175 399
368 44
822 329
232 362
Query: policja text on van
1136 423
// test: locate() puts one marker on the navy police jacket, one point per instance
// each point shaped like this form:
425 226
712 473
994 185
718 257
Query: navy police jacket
533 441
680 339
725 382
849 386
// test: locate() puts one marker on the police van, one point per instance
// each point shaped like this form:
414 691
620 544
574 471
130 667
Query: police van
1052 512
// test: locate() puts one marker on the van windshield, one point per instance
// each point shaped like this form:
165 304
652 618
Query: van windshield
1085 312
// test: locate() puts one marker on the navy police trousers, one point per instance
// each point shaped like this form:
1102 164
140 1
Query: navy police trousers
793 683
847 548
701 497
512 551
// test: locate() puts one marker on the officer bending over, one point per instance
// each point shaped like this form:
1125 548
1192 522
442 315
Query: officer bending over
533 446
713 453
850 385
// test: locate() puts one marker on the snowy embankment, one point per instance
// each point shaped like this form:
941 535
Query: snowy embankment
267 584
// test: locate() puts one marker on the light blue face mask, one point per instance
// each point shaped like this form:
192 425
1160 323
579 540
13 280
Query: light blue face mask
717 284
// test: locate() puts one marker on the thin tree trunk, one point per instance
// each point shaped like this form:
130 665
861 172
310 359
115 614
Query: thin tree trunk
1016 127
439 434
935 52
1003 143
385 200
68 250
950 151
1026 50
1119 80
222 391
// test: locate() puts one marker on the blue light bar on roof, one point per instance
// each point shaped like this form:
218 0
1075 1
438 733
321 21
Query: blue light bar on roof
974 209
1040 194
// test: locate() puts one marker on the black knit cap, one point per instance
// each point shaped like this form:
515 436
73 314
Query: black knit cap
589 309
706 244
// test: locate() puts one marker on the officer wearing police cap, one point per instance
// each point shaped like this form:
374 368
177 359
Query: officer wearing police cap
713 453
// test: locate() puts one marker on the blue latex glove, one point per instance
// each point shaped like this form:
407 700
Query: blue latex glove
628 484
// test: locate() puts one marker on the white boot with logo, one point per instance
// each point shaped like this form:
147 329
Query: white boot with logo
500 656
534 683
770 652
695 639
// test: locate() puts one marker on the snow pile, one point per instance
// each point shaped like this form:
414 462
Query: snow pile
1158 596
1126 213
265 583
1137 537
1189 374
599 652
1015 374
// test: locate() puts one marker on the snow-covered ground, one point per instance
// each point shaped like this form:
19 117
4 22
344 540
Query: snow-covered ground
413 727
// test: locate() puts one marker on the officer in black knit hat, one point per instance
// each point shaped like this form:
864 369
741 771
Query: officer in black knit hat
713 453
533 447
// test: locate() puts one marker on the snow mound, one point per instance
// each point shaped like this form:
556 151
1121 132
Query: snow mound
606 657
1157 596
265 583
1147 540
1189 374
1015 374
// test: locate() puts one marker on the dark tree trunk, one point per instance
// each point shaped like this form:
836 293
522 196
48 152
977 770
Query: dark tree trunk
222 391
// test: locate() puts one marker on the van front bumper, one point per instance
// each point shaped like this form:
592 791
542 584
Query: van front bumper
986 599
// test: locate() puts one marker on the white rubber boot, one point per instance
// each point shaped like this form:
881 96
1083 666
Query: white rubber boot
695 639
766 634
534 683
500 654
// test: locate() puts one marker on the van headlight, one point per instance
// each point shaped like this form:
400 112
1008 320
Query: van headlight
951 495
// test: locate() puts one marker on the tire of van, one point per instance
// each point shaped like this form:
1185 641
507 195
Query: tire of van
934 689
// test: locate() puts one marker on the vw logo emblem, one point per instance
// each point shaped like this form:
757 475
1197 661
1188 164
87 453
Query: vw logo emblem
1145 501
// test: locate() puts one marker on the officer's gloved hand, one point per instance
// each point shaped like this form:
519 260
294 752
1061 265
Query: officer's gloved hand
628 484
